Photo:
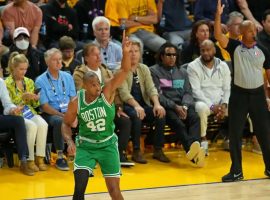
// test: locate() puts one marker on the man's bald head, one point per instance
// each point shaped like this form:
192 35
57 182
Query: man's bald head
248 31
247 24
207 51
207 43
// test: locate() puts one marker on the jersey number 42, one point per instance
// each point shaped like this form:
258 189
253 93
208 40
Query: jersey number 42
98 125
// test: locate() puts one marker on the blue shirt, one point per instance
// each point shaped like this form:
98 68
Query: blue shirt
64 89
112 55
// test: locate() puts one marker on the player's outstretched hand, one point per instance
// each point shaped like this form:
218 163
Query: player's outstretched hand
126 43
220 7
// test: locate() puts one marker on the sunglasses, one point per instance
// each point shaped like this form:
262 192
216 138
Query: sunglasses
170 54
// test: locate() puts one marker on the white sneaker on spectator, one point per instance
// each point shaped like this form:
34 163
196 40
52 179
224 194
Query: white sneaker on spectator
199 158
193 150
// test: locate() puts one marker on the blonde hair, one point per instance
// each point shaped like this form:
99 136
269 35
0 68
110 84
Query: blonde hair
15 59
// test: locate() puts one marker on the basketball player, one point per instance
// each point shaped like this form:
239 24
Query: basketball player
96 141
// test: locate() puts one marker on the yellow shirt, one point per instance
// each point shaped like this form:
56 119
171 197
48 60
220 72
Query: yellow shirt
16 94
117 9
72 3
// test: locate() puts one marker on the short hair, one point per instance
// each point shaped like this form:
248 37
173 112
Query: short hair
66 42
136 43
161 52
265 14
88 47
15 59
88 75
99 19
207 42
48 54
233 15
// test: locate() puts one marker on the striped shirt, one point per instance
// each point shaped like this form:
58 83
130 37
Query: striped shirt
248 64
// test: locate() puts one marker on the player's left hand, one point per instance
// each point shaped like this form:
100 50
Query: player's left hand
71 148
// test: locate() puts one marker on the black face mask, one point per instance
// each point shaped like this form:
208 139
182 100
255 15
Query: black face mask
62 1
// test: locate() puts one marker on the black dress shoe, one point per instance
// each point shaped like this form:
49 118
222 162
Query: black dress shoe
231 177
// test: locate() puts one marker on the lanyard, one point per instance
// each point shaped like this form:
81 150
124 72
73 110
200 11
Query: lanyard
53 88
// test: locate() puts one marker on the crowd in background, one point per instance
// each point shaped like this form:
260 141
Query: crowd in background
46 48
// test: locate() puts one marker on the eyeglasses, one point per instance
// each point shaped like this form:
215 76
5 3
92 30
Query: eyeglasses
170 54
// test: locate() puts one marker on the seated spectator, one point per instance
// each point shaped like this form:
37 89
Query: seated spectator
111 53
191 49
263 37
60 20
21 41
210 79
176 97
3 48
86 12
141 103
174 21
138 18
9 121
22 13
22 93
233 24
67 47
92 60
57 89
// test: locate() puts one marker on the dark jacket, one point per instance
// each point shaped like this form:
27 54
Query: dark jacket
173 86
35 58
86 14
71 67
57 20
264 39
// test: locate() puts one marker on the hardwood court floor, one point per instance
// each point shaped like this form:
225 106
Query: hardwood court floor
180 172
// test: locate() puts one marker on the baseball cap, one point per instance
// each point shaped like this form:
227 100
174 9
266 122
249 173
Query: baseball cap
20 30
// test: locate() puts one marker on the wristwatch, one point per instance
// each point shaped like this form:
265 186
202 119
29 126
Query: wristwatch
185 107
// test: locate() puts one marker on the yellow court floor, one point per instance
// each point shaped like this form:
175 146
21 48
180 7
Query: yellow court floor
52 183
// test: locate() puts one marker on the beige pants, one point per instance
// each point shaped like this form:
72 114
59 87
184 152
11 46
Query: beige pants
36 129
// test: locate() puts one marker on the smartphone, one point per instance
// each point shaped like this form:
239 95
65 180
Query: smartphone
37 90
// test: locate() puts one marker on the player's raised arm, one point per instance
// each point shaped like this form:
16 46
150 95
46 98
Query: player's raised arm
121 75
220 37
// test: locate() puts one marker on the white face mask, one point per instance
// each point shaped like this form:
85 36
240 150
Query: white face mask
22 44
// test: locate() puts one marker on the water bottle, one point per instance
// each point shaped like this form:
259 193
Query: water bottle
85 31
85 28
162 21
123 24
43 30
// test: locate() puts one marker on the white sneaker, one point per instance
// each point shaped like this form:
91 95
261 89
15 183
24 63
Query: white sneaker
193 150
199 158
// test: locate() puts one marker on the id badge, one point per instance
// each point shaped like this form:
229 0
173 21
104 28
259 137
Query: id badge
27 113
63 107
